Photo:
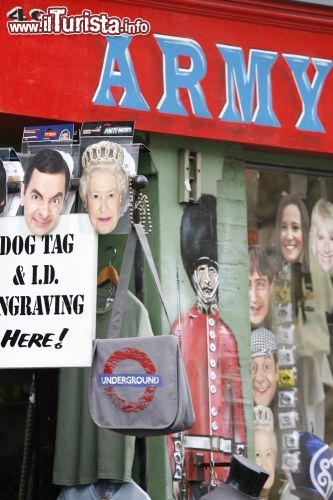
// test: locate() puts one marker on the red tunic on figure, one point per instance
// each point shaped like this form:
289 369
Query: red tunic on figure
210 354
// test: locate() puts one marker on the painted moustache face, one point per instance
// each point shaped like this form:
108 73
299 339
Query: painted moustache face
207 278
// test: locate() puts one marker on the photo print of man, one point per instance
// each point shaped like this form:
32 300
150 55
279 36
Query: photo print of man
44 190
260 286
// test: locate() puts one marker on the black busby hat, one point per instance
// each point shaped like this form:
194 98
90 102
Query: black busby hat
198 238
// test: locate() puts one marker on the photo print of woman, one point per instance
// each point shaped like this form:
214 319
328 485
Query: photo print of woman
266 446
104 184
321 234
292 231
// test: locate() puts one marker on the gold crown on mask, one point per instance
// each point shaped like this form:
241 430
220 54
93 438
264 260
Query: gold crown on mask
263 417
107 151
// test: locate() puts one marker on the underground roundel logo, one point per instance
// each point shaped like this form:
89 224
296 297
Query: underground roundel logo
130 353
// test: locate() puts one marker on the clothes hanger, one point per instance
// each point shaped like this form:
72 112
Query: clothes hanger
108 273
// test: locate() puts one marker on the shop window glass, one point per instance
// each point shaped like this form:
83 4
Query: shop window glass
290 236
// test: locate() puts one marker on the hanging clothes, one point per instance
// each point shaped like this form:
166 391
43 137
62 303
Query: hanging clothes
85 453
312 341
104 491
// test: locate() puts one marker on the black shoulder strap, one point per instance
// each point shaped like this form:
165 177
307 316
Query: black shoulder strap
136 234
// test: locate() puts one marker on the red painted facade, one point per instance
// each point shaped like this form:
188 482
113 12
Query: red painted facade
55 77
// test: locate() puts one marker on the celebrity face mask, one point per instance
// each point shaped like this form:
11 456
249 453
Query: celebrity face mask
260 290
323 248
264 379
265 454
103 201
43 200
291 234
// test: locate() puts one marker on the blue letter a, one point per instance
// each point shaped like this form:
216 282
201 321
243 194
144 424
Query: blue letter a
117 52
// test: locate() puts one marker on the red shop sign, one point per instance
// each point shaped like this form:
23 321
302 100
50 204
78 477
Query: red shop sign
231 72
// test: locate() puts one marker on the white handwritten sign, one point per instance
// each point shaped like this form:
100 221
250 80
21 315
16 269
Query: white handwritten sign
47 293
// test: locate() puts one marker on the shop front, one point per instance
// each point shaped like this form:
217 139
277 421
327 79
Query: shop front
231 104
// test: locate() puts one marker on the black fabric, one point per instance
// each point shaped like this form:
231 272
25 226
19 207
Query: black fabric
246 480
